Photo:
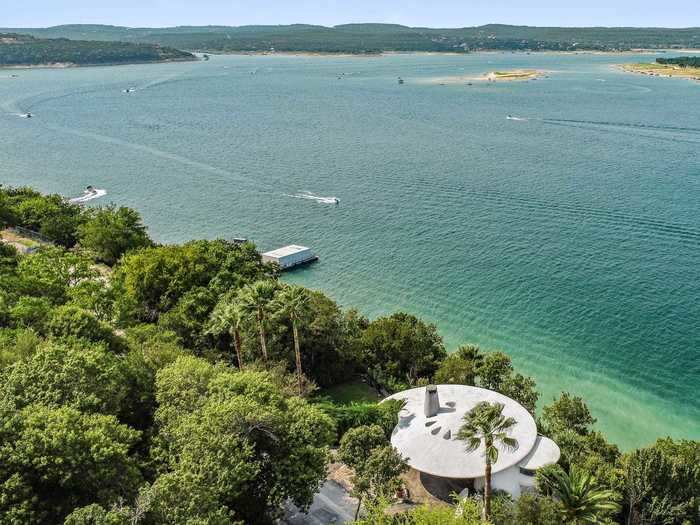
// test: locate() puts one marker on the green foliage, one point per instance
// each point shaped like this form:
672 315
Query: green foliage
461 367
25 50
376 463
355 415
51 272
31 312
50 215
373 38
486 425
250 445
662 483
569 423
680 61
189 318
567 413
528 509
87 378
402 347
493 370
17 344
357 443
53 460
96 515
581 499
152 280
73 322
110 232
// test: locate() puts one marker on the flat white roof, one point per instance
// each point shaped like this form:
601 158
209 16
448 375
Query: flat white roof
430 445
545 452
286 250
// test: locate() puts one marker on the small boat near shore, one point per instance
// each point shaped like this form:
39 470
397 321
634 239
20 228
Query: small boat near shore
89 194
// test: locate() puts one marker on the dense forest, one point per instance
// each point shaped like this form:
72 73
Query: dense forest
680 61
186 384
373 38
24 50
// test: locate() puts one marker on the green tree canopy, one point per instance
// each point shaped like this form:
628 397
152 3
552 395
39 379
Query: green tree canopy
53 460
253 445
110 232
85 377
402 348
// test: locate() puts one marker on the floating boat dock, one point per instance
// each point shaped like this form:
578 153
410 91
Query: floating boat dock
289 257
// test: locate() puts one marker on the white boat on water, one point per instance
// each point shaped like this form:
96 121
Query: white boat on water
128 90
89 194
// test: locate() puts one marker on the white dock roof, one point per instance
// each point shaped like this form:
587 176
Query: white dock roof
286 251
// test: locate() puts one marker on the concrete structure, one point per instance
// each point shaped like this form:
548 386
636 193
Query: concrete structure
427 438
289 256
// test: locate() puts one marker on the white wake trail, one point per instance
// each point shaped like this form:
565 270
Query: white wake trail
313 197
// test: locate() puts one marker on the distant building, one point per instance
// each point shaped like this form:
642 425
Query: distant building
289 256
428 426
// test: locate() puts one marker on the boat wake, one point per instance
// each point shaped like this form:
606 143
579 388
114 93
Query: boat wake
312 197
88 195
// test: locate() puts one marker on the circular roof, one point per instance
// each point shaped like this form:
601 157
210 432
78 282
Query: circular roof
545 452
430 445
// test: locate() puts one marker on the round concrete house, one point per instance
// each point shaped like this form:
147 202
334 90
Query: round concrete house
426 436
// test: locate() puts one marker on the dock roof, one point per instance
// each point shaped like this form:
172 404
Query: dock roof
286 251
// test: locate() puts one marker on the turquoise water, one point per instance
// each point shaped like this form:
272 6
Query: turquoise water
569 239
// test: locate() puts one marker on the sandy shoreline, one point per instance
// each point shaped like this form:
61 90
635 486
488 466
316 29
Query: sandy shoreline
518 75
662 70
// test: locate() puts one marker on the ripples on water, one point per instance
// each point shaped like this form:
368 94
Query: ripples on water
570 238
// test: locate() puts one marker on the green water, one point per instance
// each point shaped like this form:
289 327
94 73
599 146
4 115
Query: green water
570 239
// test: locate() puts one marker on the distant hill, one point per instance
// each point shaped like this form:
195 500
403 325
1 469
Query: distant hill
25 50
371 38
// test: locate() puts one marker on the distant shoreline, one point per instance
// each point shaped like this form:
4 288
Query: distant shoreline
441 53
72 65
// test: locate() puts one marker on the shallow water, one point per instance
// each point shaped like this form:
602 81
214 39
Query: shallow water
569 238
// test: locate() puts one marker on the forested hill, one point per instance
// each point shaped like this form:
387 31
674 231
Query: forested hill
24 50
369 38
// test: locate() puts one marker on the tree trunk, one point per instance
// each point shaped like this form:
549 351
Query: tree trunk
237 347
487 491
297 356
263 343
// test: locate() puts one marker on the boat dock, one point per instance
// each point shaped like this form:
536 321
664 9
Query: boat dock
289 257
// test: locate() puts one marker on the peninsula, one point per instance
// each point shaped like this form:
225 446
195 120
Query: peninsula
681 67
18 50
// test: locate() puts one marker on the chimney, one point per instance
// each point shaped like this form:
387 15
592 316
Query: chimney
432 401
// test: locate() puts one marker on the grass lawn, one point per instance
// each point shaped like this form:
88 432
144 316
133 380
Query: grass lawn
355 390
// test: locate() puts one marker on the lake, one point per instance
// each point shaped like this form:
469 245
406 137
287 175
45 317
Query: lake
568 236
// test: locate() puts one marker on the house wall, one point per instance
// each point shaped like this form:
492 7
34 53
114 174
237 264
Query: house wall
508 480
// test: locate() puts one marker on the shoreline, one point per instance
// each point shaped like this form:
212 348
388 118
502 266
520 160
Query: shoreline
662 70
516 75
72 65
442 53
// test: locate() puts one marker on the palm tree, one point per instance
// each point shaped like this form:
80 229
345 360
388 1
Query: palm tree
581 498
228 316
485 423
255 300
293 302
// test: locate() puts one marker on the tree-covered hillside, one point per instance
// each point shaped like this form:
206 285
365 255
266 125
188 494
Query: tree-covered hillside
185 384
368 38
21 50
